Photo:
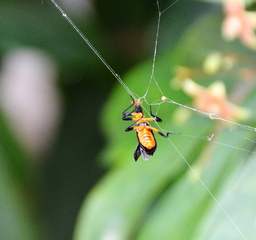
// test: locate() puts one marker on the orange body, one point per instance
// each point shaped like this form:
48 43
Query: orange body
146 137
145 132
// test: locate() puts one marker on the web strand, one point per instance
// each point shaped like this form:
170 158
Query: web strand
212 116
169 100
91 46
208 115
204 185
119 79
152 76
170 6
218 142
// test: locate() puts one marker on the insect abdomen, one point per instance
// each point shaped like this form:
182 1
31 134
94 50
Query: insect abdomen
147 139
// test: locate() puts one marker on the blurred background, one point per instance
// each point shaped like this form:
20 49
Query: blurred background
53 100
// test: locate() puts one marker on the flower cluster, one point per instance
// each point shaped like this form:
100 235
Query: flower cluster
213 99
239 23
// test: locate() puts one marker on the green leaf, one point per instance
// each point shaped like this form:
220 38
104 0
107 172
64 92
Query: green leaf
164 197
185 203
124 196
15 219
238 199
17 160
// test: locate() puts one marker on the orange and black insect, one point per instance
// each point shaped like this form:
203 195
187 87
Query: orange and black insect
145 133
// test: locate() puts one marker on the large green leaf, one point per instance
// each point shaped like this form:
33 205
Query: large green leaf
238 199
191 194
16 179
126 194
15 219
164 198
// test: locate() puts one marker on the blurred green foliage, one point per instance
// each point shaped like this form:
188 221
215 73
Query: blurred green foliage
164 198
159 199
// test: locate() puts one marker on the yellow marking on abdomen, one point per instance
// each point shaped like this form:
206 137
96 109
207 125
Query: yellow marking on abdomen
146 138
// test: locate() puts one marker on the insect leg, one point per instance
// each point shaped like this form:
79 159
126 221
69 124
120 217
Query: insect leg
156 118
130 128
126 115
165 134
159 132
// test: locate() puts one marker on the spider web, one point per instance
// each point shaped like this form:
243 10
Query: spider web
152 80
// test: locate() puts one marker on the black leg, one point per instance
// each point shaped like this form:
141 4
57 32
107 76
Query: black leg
127 109
137 153
130 128
158 119
165 134
127 115
126 118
